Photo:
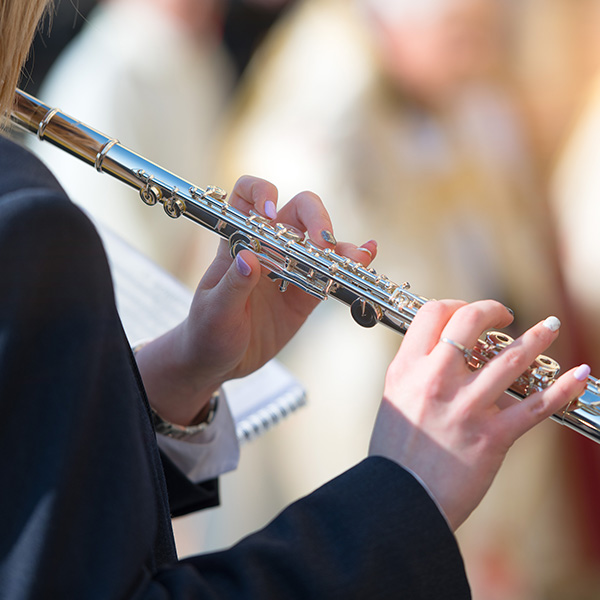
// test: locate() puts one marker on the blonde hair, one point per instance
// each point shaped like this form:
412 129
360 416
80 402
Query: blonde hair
18 22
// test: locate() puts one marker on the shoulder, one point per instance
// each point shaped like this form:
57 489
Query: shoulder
29 190
20 169
37 219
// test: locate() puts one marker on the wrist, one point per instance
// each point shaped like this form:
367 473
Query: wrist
172 394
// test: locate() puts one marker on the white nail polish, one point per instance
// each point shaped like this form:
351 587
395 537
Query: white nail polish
552 323
366 250
270 209
582 372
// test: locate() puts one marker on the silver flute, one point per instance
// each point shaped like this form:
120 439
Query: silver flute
288 257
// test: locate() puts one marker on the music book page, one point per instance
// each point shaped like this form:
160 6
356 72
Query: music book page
150 301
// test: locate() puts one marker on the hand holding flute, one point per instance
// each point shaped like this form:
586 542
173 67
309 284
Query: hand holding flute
451 426
238 319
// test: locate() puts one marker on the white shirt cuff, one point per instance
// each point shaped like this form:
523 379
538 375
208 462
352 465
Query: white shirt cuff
209 453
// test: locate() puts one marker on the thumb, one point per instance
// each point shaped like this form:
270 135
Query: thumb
239 280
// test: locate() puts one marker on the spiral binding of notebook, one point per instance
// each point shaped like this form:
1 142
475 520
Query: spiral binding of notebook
260 421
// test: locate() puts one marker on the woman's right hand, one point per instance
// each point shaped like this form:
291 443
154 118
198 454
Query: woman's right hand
443 421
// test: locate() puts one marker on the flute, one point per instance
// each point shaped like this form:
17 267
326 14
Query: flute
289 258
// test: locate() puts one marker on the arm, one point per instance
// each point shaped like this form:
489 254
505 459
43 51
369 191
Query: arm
373 532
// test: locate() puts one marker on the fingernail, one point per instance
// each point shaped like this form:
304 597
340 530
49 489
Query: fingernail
511 311
582 372
270 210
552 323
242 266
328 237
365 250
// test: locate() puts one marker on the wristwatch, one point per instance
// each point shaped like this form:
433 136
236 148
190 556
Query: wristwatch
181 432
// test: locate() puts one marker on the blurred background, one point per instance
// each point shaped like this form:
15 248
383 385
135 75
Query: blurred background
462 135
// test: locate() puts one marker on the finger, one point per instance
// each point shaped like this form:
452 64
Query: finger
306 212
468 322
516 358
218 267
363 254
519 418
237 283
253 193
424 333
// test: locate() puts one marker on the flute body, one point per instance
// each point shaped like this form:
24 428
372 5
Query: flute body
372 297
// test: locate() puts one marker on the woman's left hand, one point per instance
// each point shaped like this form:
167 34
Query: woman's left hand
239 319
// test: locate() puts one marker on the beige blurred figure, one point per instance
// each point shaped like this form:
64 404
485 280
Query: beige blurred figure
154 74
398 124
396 113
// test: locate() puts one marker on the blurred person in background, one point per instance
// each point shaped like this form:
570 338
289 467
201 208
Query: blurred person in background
400 115
401 97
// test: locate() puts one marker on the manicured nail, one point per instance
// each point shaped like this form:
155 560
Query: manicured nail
582 372
328 237
366 250
242 266
552 323
270 210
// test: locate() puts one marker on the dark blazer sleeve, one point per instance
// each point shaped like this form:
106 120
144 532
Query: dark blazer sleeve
373 532
184 496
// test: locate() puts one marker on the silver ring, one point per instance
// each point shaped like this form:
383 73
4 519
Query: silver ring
463 349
